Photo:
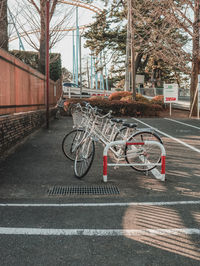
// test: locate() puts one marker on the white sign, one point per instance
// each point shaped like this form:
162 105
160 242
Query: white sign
170 93
139 79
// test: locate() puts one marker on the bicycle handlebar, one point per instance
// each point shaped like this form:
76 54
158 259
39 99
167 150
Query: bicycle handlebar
95 110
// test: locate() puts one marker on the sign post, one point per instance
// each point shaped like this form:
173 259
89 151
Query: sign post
170 94
198 97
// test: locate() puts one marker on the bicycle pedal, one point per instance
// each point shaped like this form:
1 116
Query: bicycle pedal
120 159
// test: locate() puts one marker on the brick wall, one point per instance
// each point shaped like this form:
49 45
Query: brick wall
14 128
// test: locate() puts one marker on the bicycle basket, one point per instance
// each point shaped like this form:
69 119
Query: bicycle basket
77 117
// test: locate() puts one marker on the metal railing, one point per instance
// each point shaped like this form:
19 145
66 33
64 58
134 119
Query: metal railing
70 92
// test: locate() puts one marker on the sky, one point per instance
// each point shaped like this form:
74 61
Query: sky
64 46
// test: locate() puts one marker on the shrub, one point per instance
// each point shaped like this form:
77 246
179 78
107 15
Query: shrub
120 108
141 98
128 98
32 59
92 98
159 99
117 95
55 66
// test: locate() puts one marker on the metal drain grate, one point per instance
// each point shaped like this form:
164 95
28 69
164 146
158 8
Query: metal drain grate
77 190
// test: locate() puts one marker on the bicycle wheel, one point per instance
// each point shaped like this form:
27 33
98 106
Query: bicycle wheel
143 154
120 135
84 158
71 141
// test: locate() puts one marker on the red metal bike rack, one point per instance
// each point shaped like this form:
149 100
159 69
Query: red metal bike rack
124 142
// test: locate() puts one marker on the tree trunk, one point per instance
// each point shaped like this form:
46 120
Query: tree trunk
3 25
42 49
138 61
127 63
133 73
195 60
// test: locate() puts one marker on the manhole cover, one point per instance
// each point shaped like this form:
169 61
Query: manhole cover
77 190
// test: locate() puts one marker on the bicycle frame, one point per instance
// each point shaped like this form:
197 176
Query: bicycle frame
118 154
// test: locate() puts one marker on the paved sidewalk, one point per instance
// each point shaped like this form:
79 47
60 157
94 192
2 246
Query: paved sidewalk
39 164
149 223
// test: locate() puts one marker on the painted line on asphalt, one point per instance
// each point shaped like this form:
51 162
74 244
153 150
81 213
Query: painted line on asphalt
111 204
97 232
169 136
182 123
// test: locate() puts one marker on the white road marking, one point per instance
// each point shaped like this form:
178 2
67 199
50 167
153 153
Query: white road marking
111 204
185 124
97 232
169 136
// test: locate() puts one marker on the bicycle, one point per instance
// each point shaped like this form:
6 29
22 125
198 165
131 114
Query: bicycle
81 120
142 157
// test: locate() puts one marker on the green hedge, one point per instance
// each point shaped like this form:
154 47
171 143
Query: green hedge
31 58
119 108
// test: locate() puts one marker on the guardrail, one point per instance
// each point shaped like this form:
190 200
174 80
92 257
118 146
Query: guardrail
85 92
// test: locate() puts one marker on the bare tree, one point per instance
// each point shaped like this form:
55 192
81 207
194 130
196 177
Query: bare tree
162 22
159 37
31 23
155 36
185 14
3 25
40 8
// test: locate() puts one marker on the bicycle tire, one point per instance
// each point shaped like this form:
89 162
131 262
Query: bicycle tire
73 137
120 135
84 158
143 153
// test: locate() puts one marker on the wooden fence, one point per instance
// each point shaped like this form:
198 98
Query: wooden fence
22 88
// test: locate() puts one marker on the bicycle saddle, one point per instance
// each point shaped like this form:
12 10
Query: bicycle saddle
116 120
130 125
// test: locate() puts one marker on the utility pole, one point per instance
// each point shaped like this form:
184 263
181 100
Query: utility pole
74 57
80 65
88 75
77 43
131 3
91 71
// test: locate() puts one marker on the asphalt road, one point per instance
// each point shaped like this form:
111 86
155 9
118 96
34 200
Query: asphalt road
148 223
